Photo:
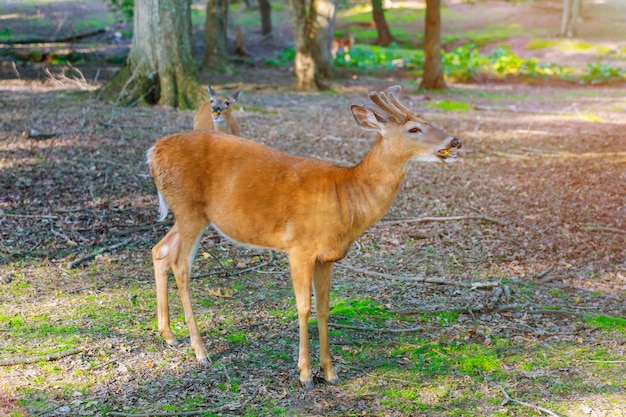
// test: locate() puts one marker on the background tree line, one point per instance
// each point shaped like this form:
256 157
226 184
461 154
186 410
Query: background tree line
160 68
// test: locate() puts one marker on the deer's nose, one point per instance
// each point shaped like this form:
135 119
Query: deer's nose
456 143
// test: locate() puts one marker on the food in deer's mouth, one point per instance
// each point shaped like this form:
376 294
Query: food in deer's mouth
444 152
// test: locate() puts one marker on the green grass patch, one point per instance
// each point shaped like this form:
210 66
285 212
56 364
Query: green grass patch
359 309
566 45
607 323
449 105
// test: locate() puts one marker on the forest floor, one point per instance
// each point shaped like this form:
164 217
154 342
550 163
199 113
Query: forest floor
493 287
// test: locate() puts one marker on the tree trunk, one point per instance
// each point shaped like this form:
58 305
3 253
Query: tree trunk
571 10
216 36
432 78
266 17
323 18
160 67
309 32
384 34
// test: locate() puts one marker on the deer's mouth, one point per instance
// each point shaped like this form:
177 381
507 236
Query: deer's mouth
447 155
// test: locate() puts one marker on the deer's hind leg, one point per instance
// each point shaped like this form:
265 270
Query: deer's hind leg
177 250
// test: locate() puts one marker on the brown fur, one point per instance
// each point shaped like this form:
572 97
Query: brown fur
313 210
217 114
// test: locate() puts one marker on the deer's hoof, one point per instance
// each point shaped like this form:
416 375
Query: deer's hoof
333 381
308 385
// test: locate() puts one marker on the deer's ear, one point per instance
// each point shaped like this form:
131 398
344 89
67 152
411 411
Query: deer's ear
236 95
211 91
381 115
367 119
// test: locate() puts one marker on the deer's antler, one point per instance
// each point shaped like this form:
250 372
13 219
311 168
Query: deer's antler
389 103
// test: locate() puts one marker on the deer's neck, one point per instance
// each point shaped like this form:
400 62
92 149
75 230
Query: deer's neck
371 186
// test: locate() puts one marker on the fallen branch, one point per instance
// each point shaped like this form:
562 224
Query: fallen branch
33 359
508 399
100 251
427 280
447 219
64 39
376 329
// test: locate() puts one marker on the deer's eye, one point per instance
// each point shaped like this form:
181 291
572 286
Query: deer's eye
415 130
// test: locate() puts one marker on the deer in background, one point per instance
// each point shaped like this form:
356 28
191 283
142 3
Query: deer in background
216 114
310 209
342 43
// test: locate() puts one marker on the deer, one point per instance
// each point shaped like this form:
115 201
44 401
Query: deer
310 209
216 113
342 43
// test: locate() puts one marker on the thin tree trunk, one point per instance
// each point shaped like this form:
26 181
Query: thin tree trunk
384 34
160 67
216 36
265 8
571 10
433 70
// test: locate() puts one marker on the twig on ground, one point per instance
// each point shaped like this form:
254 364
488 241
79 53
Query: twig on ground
377 329
29 216
34 359
508 399
528 309
447 219
427 280
605 229
255 267
100 251
403 381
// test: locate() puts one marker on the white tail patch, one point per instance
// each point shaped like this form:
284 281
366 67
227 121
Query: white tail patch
163 208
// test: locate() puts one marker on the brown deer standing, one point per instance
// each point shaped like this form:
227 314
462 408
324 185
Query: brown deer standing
313 210
216 114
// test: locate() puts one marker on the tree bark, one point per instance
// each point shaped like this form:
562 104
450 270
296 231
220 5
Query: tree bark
160 67
312 39
265 8
216 36
432 78
384 34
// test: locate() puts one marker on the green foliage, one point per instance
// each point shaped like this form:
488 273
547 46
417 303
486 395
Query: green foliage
466 62
283 59
602 74
125 7
463 62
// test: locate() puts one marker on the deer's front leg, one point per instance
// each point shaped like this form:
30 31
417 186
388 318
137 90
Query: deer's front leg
321 280
301 277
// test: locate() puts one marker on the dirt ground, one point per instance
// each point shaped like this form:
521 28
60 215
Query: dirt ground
535 214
